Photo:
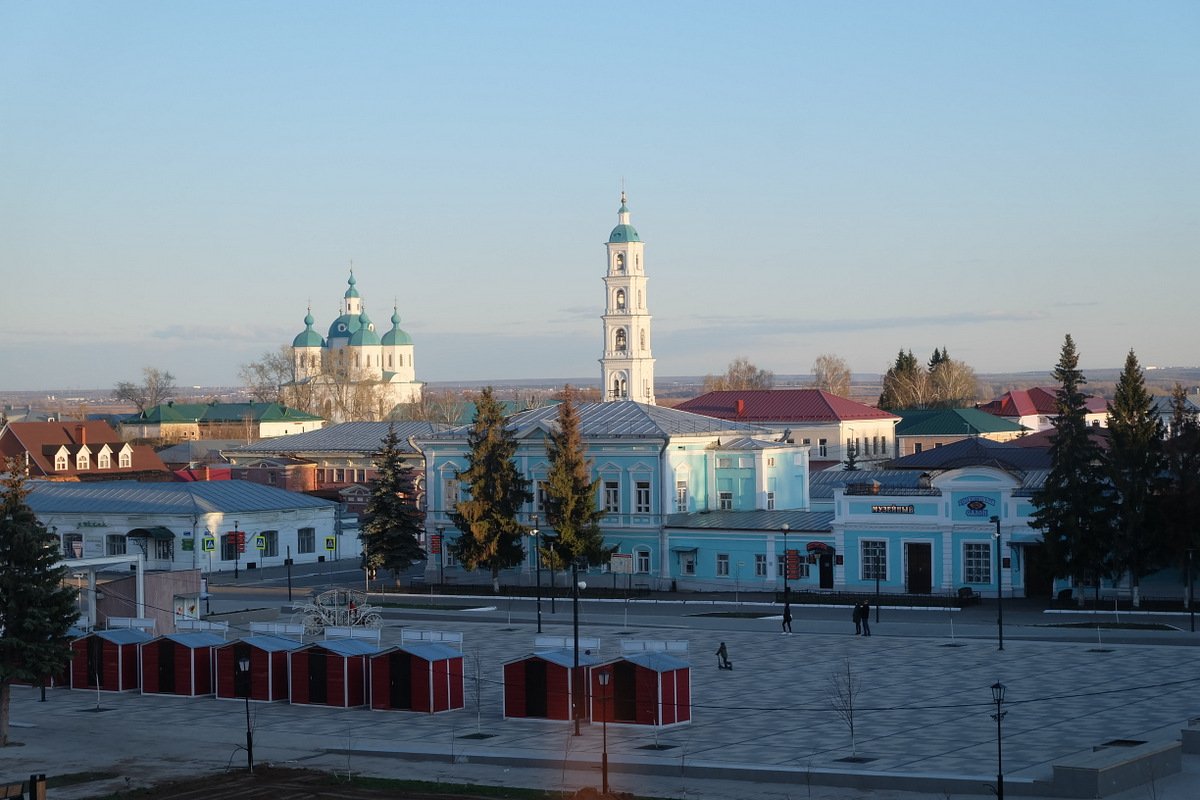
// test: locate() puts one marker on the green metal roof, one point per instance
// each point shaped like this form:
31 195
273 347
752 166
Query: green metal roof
365 335
624 233
223 412
396 336
951 422
308 337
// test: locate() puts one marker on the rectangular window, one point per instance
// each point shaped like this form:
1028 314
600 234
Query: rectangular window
725 501
770 501
874 560
104 461
823 447
306 540
977 562
643 497
745 462
72 545
760 565
874 445
689 564
450 498
771 461
917 447
60 462
542 487
164 549
126 459
612 497
681 504
83 460
643 561
724 463
722 565
807 441
883 445
114 544
271 538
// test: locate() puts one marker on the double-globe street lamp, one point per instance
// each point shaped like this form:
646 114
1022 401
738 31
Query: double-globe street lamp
998 699
605 675
537 560
576 689
999 587
244 682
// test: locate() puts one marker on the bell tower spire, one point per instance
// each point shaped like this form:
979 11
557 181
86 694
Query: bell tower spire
627 368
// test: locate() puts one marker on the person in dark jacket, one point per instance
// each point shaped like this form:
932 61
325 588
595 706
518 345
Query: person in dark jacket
723 661
856 615
865 615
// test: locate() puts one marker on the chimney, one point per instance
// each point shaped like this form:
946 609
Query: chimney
741 407
80 434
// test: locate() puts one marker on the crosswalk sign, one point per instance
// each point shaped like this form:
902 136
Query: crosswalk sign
209 544
331 543
260 542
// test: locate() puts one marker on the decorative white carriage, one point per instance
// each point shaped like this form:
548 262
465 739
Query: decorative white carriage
341 608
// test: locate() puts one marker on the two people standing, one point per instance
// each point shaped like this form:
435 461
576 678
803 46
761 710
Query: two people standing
862 618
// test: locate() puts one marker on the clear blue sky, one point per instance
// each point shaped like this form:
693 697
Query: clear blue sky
179 180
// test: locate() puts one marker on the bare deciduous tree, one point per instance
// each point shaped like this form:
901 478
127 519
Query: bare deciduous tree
439 406
157 387
741 374
844 690
265 379
832 373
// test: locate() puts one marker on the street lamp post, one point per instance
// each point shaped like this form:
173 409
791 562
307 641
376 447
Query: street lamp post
1191 597
998 699
237 548
537 560
605 676
576 585
441 529
999 588
786 596
243 666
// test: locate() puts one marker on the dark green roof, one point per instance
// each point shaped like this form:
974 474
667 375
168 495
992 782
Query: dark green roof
951 422
222 412
624 233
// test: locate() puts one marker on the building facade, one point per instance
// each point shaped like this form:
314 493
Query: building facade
627 367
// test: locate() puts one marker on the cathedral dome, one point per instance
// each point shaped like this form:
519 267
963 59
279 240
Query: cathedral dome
396 336
308 337
353 290
343 327
624 233
365 336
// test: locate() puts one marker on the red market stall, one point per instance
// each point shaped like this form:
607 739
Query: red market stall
107 660
649 688
539 686
268 657
421 676
331 673
180 663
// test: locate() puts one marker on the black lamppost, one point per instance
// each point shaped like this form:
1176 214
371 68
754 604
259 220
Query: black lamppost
998 699
999 589
237 548
605 676
786 565
243 666
441 554
576 585
537 560
1191 597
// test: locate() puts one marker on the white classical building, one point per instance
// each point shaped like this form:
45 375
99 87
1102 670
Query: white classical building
627 368
355 355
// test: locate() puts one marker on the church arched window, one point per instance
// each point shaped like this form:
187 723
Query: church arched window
620 343
640 303
620 299
619 263
643 340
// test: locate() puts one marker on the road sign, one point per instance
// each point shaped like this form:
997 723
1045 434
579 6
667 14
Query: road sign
189 544
435 544
260 543
792 564
621 563
209 544
331 543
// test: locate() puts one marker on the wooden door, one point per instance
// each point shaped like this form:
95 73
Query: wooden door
318 677
535 688
919 559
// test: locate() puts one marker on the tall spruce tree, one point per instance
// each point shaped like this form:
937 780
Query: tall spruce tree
1073 509
901 383
1181 495
1135 467
37 607
572 497
490 531
392 531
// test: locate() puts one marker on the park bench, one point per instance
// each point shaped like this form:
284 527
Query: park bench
968 596
34 788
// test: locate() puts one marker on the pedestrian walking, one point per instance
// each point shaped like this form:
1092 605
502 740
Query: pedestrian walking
787 618
865 614
723 661
856 615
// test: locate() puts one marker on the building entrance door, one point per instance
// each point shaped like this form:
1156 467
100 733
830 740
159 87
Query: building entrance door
918 556
825 570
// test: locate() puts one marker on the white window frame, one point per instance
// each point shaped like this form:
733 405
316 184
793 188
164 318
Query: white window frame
115 544
641 497
722 565
681 496
873 552
725 501
125 460
770 501
612 497
642 557
760 565
977 570
83 460
306 540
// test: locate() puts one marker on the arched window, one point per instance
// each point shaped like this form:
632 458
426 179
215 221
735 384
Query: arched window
640 303
620 299
643 340
82 460
60 461
619 265
620 344
616 390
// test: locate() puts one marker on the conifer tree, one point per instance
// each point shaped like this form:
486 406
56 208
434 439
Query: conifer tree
392 531
37 607
1135 469
1072 508
490 531
1181 495
572 497
901 383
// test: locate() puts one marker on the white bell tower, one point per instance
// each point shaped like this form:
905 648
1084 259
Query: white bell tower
627 368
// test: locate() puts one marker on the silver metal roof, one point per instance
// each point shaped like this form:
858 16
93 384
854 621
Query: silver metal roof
797 521
132 497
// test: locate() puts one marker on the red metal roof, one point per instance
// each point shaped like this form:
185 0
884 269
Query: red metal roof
38 441
1038 400
781 405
